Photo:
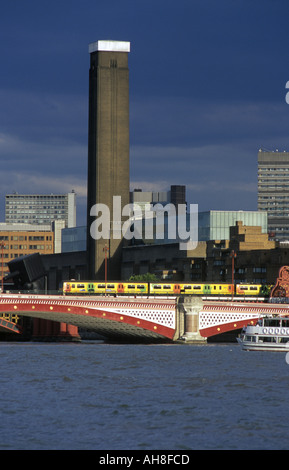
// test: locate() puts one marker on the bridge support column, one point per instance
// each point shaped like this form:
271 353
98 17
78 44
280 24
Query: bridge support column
47 330
189 308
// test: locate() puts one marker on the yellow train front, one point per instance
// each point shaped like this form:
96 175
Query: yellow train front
249 289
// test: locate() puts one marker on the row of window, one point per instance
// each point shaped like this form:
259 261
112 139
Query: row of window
42 204
256 269
277 185
34 215
278 211
277 197
25 238
25 247
273 169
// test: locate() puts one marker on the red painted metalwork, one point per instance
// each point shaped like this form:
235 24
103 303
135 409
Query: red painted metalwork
52 329
220 317
6 326
281 288
124 315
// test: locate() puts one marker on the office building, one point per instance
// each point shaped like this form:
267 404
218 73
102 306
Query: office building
273 191
108 150
73 239
17 240
40 209
176 195
215 225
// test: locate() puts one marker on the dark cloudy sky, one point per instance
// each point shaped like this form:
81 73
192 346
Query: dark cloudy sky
207 90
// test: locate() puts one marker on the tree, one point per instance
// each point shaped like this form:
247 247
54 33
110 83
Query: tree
148 277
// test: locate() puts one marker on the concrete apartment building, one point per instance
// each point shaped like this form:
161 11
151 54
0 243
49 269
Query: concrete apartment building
40 209
273 191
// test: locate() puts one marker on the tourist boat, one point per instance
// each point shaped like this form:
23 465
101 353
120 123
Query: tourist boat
271 333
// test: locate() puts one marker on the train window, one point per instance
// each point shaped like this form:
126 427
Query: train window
187 287
167 287
101 286
157 287
110 286
73 285
131 286
253 288
80 286
140 287
197 287
243 288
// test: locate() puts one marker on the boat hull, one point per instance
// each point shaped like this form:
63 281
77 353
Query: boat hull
274 347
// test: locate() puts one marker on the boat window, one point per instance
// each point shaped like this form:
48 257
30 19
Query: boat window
250 338
272 322
268 339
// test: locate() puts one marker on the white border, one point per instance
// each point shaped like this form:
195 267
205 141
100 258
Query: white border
110 46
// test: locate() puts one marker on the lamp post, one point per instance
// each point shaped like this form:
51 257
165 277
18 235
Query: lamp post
233 256
2 282
105 249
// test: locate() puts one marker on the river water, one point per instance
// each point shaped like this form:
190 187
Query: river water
92 396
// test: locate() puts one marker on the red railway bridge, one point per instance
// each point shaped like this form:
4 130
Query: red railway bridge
133 319
139 318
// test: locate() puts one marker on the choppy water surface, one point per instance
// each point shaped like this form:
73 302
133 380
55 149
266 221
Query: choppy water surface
142 397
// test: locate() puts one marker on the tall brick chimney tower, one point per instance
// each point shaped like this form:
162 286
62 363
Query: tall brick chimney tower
108 148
